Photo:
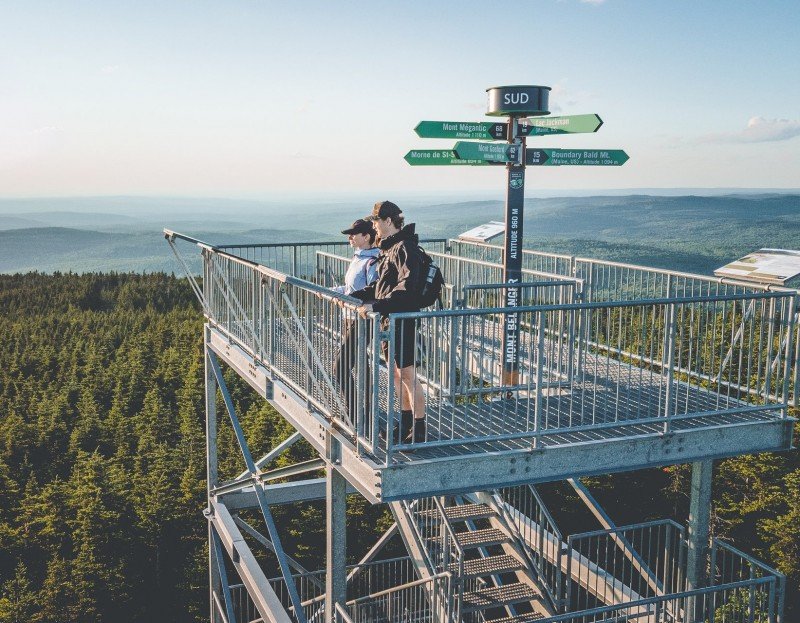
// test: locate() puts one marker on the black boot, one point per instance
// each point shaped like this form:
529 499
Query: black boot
417 434
405 428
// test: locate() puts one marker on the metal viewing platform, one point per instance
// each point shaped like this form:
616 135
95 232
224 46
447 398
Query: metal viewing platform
620 368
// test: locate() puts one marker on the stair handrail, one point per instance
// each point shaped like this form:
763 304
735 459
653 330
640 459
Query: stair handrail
459 552
535 561
441 520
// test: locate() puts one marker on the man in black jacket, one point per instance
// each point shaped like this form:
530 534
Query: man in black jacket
397 290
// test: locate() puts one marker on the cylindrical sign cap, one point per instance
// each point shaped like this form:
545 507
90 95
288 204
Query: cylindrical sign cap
518 101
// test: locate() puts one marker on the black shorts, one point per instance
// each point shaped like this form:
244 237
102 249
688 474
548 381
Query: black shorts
405 343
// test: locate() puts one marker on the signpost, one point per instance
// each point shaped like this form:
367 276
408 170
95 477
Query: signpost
429 157
487 131
576 157
573 124
480 130
490 152
525 106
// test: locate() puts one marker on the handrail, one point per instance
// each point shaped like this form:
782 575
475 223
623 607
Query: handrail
720 298
629 605
395 589
459 550
650 269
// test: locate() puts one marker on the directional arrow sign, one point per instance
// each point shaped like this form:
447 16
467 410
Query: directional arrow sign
490 152
433 157
462 129
572 124
581 157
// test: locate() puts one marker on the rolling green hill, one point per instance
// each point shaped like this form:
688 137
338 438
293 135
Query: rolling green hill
691 233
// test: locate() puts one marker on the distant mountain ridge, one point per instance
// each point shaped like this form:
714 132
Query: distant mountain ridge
693 233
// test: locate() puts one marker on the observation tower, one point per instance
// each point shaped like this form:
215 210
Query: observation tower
539 367
621 368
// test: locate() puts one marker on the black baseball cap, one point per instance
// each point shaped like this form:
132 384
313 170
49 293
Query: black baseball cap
359 226
384 209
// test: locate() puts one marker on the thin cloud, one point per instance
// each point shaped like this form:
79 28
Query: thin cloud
595 2
109 70
758 130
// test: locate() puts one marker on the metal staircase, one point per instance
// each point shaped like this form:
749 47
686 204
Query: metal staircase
493 576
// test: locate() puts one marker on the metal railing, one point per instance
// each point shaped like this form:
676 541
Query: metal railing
606 280
363 580
666 358
625 564
536 531
709 607
729 565
654 362
421 601
597 366
244 609
630 573
299 259
443 552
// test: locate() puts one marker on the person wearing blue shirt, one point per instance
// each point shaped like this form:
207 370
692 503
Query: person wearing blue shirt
362 272
363 269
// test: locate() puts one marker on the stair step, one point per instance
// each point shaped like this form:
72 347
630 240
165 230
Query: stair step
490 565
531 617
498 596
460 512
481 538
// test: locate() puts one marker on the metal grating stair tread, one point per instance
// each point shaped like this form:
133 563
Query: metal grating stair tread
461 512
481 538
490 565
531 617
497 596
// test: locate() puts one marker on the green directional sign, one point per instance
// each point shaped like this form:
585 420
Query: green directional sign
434 157
572 124
462 129
490 152
575 157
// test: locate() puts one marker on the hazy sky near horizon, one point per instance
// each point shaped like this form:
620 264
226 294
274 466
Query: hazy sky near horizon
252 98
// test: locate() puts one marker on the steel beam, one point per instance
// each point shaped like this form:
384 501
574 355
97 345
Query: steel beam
336 542
253 578
476 472
625 546
281 493
272 529
275 452
315 429
303 467
241 523
214 581
698 525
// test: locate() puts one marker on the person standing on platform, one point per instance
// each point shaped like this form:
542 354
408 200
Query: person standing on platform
400 269
362 271
363 268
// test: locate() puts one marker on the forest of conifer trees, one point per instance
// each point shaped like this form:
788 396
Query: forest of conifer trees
102 460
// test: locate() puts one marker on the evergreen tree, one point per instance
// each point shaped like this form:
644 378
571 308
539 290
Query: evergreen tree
17 599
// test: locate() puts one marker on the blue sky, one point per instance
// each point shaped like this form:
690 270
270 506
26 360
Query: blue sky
261 98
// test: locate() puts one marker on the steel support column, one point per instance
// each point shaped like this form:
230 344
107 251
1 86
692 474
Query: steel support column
214 581
336 542
698 532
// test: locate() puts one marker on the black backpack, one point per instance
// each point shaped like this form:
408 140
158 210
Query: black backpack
430 288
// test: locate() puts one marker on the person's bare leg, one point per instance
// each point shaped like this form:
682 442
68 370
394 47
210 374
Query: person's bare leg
417 398
400 388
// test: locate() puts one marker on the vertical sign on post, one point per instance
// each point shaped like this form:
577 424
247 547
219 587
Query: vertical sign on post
512 270
515 102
